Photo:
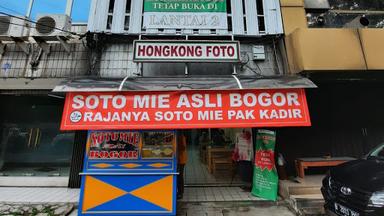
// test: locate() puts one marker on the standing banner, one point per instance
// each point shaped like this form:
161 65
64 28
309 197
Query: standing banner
265 178
185 14
185 109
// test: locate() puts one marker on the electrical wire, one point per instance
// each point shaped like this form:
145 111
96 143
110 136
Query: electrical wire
245 64
11 10
28 20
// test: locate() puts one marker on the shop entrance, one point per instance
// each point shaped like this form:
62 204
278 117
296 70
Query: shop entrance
219 165
214 158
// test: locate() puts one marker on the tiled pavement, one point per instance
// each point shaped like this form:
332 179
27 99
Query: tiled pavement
204 194
230 209
207 201
65 195
233 209
38 195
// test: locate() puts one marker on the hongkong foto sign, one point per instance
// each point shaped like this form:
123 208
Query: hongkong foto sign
186 51
185 109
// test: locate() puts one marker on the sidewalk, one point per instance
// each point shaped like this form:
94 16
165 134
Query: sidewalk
37 201
37 195
207 201
239 208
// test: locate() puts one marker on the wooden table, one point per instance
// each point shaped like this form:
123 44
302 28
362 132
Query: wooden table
304 163
212 152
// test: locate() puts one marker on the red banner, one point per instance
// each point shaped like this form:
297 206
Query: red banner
185 109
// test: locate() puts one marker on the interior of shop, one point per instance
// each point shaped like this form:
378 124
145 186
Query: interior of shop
214 160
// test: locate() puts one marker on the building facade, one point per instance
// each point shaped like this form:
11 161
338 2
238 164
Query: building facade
337 45
32 64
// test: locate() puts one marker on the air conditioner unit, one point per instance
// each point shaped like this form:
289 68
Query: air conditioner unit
49 26
13 27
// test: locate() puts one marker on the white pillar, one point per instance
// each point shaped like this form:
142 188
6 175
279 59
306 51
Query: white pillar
68 9
29 11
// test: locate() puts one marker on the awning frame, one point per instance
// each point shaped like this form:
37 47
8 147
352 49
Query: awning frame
232 82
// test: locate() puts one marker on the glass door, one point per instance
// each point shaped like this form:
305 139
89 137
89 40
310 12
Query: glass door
35 150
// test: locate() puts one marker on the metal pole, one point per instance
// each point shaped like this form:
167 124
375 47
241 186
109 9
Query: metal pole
186 72
140 64
234 65
186 69
234 69
30 6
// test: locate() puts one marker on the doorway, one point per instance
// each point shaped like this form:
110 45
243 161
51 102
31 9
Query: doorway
214 160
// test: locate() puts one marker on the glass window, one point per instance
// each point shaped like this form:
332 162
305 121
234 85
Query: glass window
357 5
80 11
349 14
17 8
48 7
31 143
378 152
32 150
158 144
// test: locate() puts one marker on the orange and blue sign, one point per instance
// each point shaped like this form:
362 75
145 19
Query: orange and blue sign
141 185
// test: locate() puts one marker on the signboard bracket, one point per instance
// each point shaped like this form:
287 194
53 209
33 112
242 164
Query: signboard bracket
139 64
186 72
234 65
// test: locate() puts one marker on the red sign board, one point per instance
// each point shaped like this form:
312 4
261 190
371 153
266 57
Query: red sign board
113 145
185 109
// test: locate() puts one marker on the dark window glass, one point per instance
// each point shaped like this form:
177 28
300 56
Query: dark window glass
229 8
31 143
128 6
111 6
345 20
357 4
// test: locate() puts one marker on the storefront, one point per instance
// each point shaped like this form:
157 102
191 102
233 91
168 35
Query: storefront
346 117
216 116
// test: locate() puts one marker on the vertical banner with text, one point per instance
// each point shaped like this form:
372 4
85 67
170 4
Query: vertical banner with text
265 178
185 14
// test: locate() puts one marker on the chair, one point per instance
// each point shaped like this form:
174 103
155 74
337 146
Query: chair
221 159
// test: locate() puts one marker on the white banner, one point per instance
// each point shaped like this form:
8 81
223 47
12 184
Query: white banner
186 20
186 51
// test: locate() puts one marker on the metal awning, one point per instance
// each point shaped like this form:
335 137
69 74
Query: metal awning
182 83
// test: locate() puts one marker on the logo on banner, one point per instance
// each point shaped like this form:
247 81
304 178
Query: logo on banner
265 159
75 116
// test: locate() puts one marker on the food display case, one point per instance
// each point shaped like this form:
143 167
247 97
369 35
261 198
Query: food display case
129 173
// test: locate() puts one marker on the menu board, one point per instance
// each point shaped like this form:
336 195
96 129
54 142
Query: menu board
114 145
158 144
